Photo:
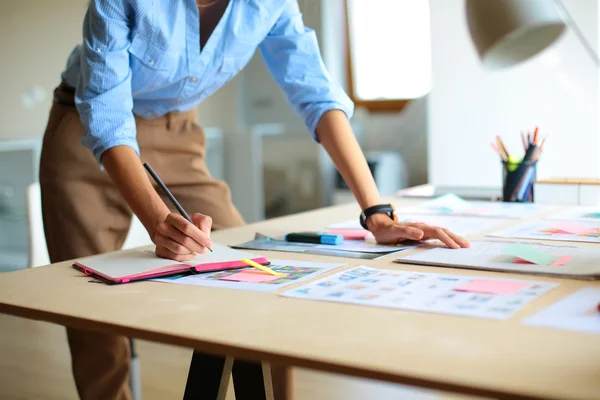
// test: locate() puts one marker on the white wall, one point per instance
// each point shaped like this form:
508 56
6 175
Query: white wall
469 106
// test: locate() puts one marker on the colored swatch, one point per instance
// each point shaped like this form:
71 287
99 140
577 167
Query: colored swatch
529 253
248 276
492 287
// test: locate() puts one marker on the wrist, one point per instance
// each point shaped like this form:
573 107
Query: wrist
378 220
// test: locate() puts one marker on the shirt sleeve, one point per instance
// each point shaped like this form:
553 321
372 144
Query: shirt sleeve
291 53
103 96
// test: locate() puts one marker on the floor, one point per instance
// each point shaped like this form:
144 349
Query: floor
34 364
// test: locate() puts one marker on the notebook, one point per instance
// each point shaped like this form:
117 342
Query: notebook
139 264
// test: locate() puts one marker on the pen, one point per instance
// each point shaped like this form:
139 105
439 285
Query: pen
261 267
168 193
319 238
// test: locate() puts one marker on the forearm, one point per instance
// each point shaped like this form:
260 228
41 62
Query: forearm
336 136
128 174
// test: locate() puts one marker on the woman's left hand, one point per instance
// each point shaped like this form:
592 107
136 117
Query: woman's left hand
387 231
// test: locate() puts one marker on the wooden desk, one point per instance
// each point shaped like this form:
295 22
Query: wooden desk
459 354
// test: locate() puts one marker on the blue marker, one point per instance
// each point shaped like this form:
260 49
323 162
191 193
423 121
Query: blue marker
310 237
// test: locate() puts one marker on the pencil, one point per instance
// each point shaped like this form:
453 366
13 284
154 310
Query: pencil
524 141
168 193
535 135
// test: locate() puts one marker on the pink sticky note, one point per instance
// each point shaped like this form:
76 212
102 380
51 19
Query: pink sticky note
492 287
561 262
253 277
570 227
351 234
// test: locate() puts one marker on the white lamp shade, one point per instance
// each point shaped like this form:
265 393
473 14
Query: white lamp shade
507 32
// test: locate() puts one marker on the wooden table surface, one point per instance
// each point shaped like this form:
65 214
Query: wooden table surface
466 355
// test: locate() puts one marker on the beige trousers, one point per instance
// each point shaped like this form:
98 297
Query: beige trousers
84 214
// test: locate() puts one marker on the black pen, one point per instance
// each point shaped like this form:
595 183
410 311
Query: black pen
166 191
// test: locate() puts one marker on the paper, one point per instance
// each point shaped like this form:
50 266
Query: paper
448 203
577 312
492 287
425 292
489 209
529 253
249 276
547 230
462 226
571 262
251 279
576 214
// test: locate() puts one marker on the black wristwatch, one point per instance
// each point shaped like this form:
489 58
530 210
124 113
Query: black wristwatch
381 208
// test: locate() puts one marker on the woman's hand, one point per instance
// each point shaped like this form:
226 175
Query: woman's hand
178 240
386 231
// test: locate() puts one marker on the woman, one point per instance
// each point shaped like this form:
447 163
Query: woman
128 94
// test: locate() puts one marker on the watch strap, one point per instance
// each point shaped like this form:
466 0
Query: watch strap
388 209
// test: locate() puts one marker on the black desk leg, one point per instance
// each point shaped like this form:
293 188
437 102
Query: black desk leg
208 378
252 380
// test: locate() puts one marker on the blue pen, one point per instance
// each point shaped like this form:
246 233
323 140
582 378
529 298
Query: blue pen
312 237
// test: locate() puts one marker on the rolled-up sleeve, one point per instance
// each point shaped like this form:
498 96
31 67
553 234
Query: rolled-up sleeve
291 53
103 96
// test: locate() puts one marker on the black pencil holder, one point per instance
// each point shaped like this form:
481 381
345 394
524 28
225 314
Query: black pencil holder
518 180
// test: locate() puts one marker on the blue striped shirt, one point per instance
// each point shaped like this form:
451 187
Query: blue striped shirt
143 57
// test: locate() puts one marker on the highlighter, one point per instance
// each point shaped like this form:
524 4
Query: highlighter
314 237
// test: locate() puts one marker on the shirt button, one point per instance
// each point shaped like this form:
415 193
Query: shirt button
151 62
192 79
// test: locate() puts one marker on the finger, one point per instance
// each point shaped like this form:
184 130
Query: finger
188 229
438 233
402 231
462 242
203 222
163 252
170 236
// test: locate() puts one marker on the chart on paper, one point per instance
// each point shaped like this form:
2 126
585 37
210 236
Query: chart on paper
520 257
564 231
462 226
256 280
426 292
454 205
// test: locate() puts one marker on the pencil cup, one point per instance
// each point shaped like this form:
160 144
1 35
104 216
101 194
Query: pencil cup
517 181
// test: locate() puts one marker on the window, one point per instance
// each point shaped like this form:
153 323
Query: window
389 52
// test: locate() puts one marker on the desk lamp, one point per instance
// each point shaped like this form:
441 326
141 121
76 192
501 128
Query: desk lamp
507 32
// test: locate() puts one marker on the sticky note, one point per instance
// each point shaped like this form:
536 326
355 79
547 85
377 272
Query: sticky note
252 277
561 262
492 287
351 234
572 228
449 202
529 253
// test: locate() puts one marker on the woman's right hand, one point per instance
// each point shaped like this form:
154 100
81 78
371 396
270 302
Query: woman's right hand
177 239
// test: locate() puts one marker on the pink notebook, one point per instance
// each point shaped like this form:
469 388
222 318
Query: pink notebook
136 265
